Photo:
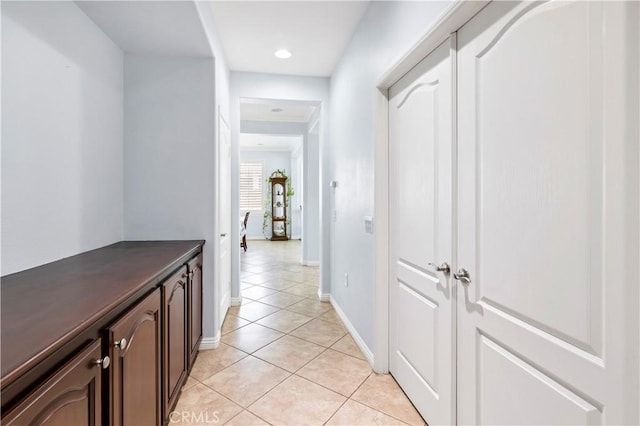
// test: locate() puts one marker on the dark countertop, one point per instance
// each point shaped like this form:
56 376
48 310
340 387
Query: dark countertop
45 307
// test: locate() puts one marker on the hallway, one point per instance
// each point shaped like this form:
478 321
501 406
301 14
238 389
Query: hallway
286 358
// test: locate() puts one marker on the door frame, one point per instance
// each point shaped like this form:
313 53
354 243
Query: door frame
445 27
217 293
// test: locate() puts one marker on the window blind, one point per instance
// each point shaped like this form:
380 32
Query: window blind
251 186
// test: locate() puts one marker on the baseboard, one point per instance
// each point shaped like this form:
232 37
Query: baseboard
356 337
224 306
236 301
310 262
324 297
296 237
210 342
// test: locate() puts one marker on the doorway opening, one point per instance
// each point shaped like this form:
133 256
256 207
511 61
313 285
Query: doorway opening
280 139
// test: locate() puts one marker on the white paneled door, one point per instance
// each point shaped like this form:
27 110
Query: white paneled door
547 325
224 215
422 327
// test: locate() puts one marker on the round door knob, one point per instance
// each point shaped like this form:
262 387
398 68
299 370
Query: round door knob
103 362
122 343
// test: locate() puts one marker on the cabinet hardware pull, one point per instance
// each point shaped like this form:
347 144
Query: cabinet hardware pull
185 275
444 267
104 362
223 235
122 343
463 276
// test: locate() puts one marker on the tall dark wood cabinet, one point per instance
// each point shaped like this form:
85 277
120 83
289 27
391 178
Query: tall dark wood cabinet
175 336
135 346
194 309
279 205
72 396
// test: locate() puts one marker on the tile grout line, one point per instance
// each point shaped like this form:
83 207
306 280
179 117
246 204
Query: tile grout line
324 349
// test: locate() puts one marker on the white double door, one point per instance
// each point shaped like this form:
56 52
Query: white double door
537 199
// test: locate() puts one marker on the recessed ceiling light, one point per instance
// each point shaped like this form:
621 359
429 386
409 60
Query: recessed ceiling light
276 110
283 54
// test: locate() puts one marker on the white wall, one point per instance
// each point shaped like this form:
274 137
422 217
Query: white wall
221 78
62 148
280 87
222 74
387 30
271 161
296 175
169 151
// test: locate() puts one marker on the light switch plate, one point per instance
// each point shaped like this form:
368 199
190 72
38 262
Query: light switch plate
368 224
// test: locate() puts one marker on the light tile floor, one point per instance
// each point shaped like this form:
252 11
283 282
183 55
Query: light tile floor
286 358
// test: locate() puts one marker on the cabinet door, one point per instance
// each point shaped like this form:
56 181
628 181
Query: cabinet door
195 307
72 396
135 372
175 336
547 214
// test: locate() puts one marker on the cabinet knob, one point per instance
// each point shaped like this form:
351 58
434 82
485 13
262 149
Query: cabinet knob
122 343
103 362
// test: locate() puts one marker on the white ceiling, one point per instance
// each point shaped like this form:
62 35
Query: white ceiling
262 110
155 27
316 32
256 142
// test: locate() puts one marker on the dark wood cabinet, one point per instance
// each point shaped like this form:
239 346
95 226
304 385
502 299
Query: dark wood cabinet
175 336
135 347
279 203
101 338
194 308
71 396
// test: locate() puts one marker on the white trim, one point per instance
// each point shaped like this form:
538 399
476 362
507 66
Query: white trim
209 342
310 262
224 307
324 297
354 334
236 301
296 237
381 233
449 22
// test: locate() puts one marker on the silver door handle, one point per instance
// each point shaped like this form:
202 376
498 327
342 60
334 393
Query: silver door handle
444 267
463 276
